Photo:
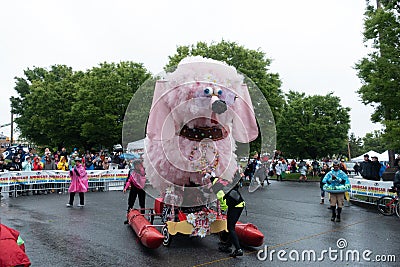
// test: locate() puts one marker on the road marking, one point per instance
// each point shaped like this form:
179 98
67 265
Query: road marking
291 242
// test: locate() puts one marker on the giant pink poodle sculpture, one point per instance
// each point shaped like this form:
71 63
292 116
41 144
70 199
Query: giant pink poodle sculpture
197 114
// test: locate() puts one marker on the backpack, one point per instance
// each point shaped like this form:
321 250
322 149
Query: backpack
233 197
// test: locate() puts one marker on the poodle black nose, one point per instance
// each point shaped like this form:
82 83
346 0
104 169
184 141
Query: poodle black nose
219 106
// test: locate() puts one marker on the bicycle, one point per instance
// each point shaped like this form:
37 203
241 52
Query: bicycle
388 204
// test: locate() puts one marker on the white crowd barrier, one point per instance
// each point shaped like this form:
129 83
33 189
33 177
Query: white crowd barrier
55 180
369 191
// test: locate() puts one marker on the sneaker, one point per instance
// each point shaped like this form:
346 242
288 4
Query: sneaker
126 222
322 201
69 205
236 253
338 219
81 205
333 218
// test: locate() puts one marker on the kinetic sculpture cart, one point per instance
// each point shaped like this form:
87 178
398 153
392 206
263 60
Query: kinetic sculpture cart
195 222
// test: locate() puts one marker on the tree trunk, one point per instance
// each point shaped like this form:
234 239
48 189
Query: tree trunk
391 158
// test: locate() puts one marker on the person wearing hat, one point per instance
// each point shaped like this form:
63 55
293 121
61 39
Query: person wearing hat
366 168
376 167
136 181
79 183
336 177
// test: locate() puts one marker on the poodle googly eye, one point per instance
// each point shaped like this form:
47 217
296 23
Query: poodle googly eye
218 92
208 91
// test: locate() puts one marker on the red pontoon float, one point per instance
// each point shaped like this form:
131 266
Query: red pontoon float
249 234
191 223
148 235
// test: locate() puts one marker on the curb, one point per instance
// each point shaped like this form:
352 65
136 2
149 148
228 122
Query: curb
364 204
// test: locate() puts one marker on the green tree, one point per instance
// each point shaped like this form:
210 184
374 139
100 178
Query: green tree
313 126
43 106
104 95
253 63
379 72
355 146
374 141
60 107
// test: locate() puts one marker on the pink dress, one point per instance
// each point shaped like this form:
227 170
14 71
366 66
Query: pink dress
79 183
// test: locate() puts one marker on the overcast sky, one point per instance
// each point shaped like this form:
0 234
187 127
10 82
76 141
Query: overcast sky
314 44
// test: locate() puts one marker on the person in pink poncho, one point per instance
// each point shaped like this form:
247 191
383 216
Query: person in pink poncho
79 183
136 181
12 248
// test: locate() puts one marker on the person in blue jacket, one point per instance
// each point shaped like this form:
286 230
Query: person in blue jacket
336 177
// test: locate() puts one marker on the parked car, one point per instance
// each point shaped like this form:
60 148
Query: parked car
350 166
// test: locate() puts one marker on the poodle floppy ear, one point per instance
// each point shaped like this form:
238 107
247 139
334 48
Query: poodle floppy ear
244 127
160 124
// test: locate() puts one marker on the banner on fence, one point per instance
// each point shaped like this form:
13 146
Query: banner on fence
370 188
55 176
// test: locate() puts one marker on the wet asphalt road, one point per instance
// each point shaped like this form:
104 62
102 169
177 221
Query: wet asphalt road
288 213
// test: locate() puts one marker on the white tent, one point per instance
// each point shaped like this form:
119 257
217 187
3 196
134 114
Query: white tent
370 153
384 156
135 146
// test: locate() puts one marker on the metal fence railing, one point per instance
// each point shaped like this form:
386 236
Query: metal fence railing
14 184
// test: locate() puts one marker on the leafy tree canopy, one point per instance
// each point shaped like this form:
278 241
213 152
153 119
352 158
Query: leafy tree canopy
313 126
379 72
61 107
355 146
373 141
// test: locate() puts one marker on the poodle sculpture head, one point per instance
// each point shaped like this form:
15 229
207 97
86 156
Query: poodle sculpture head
198 112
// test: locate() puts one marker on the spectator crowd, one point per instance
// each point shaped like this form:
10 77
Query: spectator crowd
59 160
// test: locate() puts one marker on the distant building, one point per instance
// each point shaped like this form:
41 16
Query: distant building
4 141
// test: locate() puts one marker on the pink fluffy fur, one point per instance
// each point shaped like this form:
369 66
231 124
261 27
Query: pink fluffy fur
181 99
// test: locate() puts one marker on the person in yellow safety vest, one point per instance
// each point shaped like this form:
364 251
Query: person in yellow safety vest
233 203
